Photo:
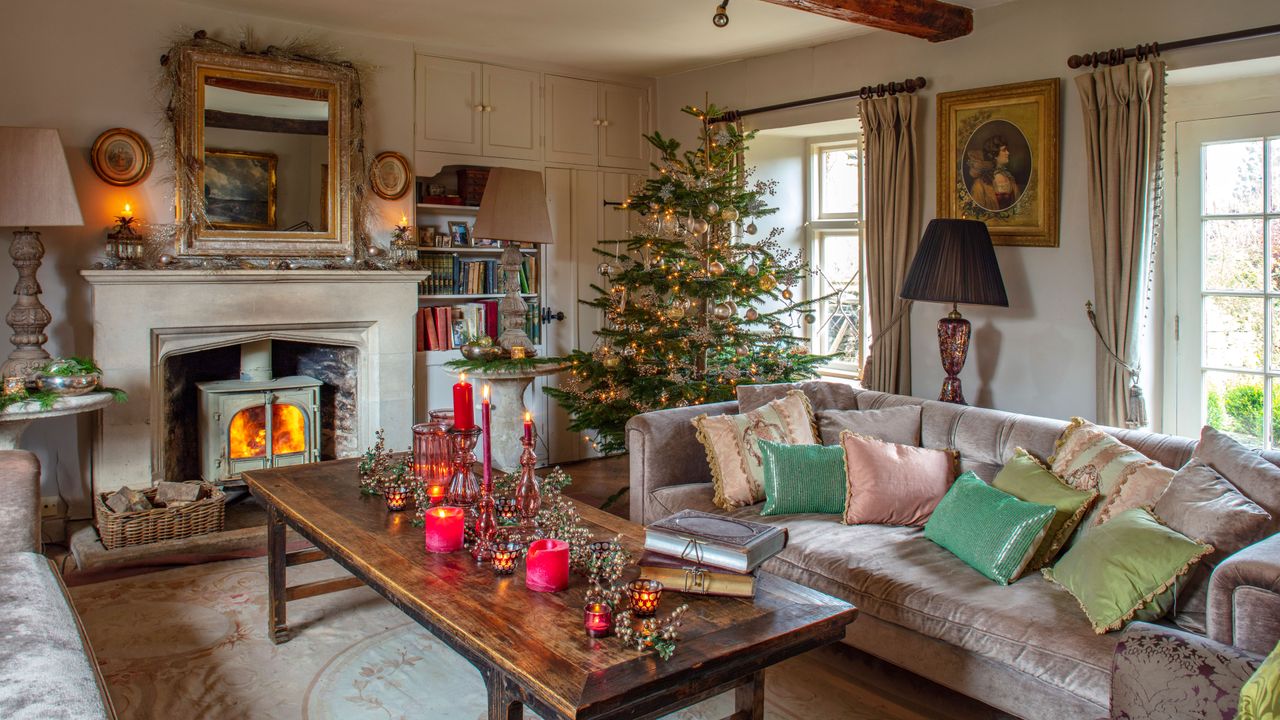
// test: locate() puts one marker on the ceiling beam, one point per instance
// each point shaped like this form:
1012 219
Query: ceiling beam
932 20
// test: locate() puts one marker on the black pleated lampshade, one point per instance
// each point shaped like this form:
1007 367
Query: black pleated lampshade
955 263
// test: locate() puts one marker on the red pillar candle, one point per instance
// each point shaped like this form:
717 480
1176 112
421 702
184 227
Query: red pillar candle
464 413
547 566
444 528
528 426
598 618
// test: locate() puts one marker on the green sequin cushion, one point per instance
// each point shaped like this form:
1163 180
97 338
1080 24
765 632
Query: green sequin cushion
802 478
992 531
1025 478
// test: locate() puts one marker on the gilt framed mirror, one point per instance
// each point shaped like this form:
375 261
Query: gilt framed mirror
268 154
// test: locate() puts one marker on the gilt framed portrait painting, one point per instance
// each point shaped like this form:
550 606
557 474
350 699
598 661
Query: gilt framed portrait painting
998 160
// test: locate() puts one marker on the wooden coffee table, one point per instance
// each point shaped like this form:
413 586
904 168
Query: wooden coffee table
531 647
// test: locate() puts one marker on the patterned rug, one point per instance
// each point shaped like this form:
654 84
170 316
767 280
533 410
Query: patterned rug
191 643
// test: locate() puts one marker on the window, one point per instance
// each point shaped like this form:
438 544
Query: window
833 216
1227 322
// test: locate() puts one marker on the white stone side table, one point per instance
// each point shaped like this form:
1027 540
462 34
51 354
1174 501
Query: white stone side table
506 397
15 418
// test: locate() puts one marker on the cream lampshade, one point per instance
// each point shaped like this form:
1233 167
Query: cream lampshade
514 210
35 191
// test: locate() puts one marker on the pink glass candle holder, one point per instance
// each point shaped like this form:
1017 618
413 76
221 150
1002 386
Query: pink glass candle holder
505 557
397 496
547 566
598 619
644 596
444 528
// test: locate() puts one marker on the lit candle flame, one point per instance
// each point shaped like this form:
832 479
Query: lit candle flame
528 416
462 377
128 211
404 220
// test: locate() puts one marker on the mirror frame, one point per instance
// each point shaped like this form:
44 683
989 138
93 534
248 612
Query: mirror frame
196 238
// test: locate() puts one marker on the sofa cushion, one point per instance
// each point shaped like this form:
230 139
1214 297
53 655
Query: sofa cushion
46 670
1088 457
894 424
802 478
822 394
992 531
1251 473
896 575
1026 478
733 450
893 484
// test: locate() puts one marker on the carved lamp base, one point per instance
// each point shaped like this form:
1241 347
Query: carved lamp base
953 344
28 317
512 307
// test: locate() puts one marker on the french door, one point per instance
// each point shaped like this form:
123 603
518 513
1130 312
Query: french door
1226 329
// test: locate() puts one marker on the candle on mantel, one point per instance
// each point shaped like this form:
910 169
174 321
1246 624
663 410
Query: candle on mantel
488 444
127 212
547 565
528 426
463 405
444 528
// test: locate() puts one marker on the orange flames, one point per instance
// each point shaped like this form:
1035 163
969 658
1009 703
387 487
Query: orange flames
248 431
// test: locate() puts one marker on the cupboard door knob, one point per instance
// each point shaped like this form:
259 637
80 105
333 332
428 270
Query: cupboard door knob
478 108
596 122
605 123
488 108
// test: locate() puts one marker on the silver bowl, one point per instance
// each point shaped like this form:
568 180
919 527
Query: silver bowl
482 352
68 385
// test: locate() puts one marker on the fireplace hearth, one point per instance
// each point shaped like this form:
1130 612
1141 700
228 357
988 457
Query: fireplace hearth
257 421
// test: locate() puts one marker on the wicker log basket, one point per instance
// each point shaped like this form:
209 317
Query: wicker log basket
122 529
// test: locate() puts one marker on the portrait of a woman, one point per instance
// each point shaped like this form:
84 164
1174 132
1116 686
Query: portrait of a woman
997 165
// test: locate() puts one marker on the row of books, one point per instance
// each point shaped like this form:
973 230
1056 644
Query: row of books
706 554
454 276
447 327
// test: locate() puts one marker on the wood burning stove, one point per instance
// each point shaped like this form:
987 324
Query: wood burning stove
257 421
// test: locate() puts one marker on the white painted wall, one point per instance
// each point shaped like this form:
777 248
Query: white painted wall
782 159
1037 355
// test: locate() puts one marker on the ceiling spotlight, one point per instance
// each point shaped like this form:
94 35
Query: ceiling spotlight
721 18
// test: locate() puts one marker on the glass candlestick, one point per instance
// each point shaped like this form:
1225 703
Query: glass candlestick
464 491
528 493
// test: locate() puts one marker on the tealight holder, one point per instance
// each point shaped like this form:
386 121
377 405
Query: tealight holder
644 596
598 619
397 496
508 511
505 557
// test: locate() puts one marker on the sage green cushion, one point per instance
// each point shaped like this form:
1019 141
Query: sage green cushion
1025 478
1125 569
802 478
992 531
1260 696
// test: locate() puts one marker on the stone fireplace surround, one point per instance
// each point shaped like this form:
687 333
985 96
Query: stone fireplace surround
142 317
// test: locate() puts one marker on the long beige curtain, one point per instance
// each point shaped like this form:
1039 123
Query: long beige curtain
890 232
1123 123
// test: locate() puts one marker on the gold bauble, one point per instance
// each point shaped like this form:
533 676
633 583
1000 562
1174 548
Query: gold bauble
611 362
699 226
786 293
716 268
752 314
729 214
722 311
768 283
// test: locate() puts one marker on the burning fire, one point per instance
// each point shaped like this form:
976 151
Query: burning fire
248 431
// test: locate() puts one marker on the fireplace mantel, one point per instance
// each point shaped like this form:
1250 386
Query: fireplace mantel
140 317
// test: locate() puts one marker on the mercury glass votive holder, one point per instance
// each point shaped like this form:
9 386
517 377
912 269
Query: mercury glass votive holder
397 496
644 596
505 557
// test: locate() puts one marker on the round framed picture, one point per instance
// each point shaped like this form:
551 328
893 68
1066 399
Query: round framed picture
121 157
390 175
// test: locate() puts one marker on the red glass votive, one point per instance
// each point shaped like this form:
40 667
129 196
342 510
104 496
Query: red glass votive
598 619
444 528
397 496
505 557
644 596
435 493
547 565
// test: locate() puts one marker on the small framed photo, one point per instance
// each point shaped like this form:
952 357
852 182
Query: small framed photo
427 234
485 242
121 157
459 233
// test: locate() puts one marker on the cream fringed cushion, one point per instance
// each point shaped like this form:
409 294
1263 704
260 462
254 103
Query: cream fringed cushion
733 448
1088 458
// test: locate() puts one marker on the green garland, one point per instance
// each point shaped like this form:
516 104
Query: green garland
501 364
46 399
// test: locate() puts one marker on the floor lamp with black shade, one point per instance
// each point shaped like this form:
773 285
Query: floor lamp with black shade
955 264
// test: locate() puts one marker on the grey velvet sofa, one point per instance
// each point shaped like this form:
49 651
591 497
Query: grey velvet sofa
1026 649
47 669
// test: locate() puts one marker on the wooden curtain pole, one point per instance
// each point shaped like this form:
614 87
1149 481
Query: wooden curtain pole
906 86
1141 52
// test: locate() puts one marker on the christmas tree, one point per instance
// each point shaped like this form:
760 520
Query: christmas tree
694 303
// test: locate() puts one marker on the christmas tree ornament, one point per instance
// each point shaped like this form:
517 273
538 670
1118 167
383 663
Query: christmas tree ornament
768 283
752 314
628 351
611 362
810 318
751 229
605 269
729 214
742 351
699 226
712 209
753 270
716 268
786 293
722 311
675 312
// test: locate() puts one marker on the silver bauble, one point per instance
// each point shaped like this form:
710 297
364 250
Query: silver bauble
722 311
729 214
752 314
712 209
810 318
628 351
349 260
753 269
716 268
742 350
604 269
699 226
752 229
166 259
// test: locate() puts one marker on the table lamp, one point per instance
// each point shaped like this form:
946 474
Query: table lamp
514 210
955 263
35 191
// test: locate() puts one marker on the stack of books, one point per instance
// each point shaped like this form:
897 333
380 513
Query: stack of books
705 554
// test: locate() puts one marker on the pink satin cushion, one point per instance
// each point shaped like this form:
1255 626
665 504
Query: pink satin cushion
891 484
